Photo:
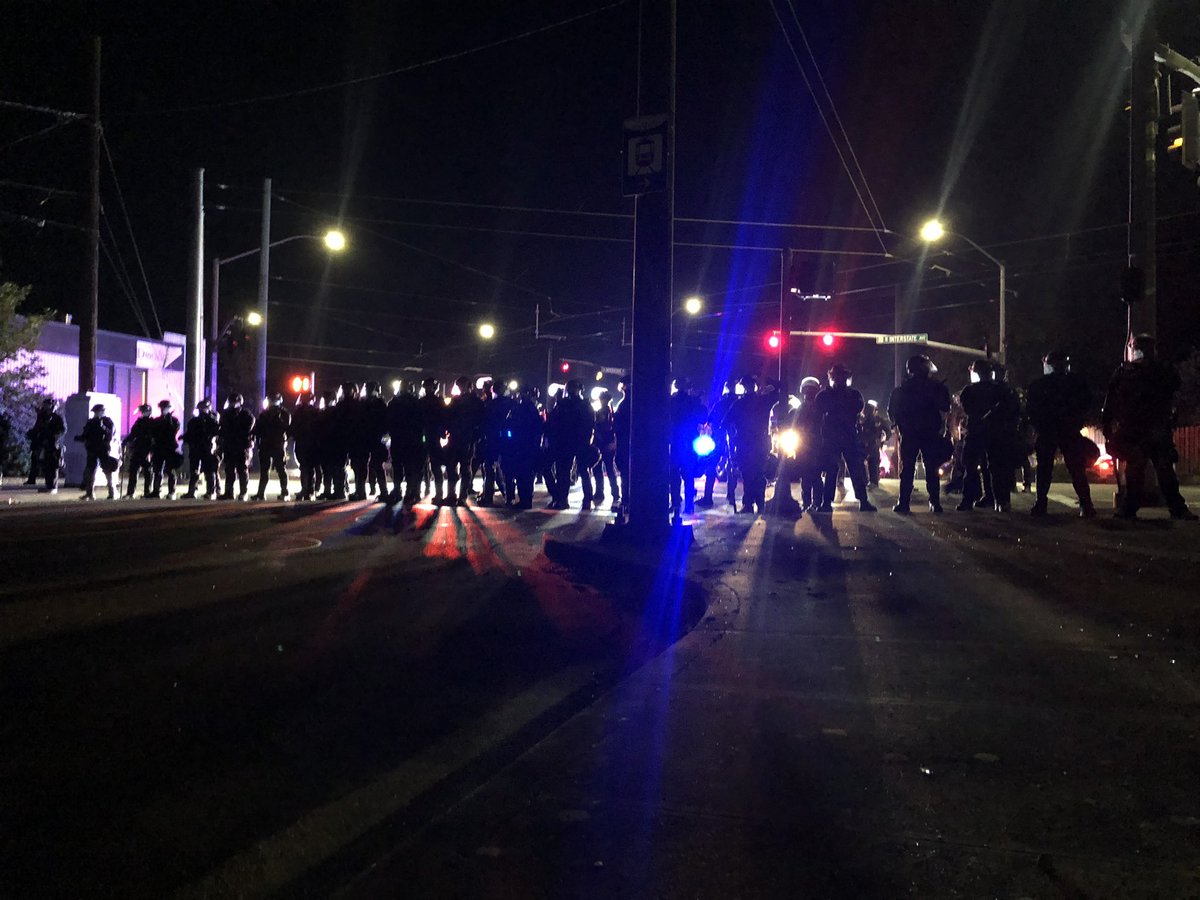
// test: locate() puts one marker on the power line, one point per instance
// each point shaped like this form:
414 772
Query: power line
34 136
137 253
4 182
29 107
363 79
491 207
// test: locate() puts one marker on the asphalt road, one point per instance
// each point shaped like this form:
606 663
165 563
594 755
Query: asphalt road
280 700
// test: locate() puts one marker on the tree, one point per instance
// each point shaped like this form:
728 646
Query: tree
19 372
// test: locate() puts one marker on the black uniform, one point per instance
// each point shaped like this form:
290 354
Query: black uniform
368 456
1057 405
491 446
38 437
138 444
687 415
97 438
200 434
164 454
409 458
270 434
838 409
433 429
1139 419
992 409
236 426
918 408
748 426
332 442
306 434
523 442
464 418
569 425
604 437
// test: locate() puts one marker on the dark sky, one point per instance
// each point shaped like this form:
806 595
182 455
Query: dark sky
1007 117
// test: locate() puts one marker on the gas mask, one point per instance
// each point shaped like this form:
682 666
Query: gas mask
1135 355
1047 369
975 378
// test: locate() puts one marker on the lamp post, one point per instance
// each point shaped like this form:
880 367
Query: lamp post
334 241
933 231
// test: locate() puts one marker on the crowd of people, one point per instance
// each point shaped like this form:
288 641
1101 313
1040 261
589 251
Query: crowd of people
419 443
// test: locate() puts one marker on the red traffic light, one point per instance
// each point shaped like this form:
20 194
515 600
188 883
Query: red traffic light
774 340
827 341
565 366
301 384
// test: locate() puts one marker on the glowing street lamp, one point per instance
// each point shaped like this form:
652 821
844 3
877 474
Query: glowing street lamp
335 240
933 231
693 305
254 318
487 331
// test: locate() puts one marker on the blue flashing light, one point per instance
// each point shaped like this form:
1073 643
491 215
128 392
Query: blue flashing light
704 445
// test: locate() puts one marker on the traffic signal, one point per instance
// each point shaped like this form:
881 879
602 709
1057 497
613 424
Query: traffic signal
1185 137
564 367
302 384
828 342
774 341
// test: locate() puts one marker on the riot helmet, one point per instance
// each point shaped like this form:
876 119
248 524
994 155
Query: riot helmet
919 366
98 408
204 405
981 370
1056 361
839 376
277 399
810 387
235 400
49 403
145 409
164 405
748 384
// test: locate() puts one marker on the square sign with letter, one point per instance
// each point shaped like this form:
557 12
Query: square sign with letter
644 153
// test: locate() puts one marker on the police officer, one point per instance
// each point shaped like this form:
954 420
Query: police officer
464 418
37 440
992 411
1057 404
723 455
164 454
1138 421
270 433
784 415
306 434
523 446
491 441
237 422
433 429
873 431
810 452
604 438
569 427
687 415
97 438
51 428
138 445
333 447
918 408
838 406
409 458
371 452
200 434
748 426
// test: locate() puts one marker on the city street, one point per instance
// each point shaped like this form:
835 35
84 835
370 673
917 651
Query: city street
255 700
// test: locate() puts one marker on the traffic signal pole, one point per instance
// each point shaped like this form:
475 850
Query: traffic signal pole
1143 140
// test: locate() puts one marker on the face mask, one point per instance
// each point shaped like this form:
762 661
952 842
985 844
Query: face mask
1135 355
1047 369
975 378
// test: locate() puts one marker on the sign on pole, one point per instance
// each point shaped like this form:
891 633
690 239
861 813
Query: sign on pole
644 153
902 339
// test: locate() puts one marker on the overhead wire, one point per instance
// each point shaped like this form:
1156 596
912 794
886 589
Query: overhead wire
825 121
363 79
35 135
137 253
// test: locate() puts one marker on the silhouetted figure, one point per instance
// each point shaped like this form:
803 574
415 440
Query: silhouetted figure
569 429
918 409
992 409
200 434
748 426
138 444
236 424
1139 422
96 437
306 436
409 457
270 433
838 406
433 428
1057 404
164 455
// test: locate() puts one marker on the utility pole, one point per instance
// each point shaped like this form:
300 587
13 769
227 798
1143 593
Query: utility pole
1143 140
91 313
193 376
898 326
652 289
264 273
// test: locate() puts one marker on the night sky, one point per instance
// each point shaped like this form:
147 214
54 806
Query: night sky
479 183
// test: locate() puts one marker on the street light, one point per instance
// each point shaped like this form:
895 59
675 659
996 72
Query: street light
933 231
334 241
693 305
487 331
